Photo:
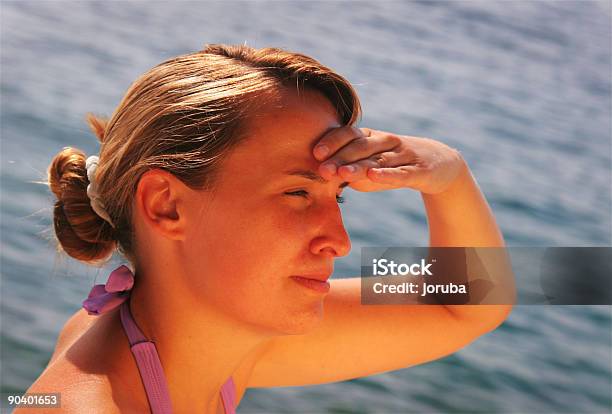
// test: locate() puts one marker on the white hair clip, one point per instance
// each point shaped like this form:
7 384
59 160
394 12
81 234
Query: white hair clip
92 191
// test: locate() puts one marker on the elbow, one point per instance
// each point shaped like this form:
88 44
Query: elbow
482 319
496 317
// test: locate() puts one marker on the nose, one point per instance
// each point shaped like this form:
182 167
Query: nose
333 237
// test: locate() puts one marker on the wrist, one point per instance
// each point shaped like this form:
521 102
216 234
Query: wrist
463 178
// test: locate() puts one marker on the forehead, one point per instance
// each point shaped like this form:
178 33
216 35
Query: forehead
288 129
280 137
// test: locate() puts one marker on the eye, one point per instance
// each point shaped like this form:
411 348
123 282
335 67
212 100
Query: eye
303 193
299 193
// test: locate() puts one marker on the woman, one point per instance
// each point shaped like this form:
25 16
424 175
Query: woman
218 179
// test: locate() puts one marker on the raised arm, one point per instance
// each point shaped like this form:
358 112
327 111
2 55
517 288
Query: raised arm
461 217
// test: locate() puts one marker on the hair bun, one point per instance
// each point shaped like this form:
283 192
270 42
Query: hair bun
81 233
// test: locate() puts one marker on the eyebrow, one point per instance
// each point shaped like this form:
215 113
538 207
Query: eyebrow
311 175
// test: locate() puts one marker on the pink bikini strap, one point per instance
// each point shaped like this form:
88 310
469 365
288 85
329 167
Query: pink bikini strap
228 394
148 362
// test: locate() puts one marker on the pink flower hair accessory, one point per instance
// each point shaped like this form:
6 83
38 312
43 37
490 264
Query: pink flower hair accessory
104 298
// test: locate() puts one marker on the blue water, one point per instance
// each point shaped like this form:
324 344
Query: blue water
522 88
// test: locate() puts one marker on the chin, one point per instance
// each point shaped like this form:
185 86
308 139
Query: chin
302 322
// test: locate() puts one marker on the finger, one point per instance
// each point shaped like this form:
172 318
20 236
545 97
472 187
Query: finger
362 148
366 131
334 140
391 158
402 176
358 170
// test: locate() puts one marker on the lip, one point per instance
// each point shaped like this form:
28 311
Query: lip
321 277
317 283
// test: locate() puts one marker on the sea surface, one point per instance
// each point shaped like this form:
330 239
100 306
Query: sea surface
521 88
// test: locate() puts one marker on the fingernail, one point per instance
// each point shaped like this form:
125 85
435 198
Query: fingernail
321 151
331 168
350 168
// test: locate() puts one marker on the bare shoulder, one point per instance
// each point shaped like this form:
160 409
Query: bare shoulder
76 325
88 371
78 392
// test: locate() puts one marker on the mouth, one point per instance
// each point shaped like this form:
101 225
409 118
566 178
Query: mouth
321 276
317 283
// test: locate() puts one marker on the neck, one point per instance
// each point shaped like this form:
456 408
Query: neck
199 347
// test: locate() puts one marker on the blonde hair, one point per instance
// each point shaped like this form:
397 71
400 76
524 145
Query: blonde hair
182 116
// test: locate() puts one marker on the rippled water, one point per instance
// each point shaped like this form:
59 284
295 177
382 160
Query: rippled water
522 88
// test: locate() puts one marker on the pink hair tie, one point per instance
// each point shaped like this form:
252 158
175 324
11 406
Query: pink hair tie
104 298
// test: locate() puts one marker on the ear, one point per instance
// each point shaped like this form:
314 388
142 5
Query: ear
160 201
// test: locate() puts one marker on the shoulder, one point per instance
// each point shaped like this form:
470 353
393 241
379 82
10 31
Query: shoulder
76 325
78 392
88 372
86 369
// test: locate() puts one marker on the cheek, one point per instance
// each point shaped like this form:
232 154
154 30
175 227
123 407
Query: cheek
272 302
230 251
242 260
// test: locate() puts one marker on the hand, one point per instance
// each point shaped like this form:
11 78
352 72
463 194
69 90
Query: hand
371 160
